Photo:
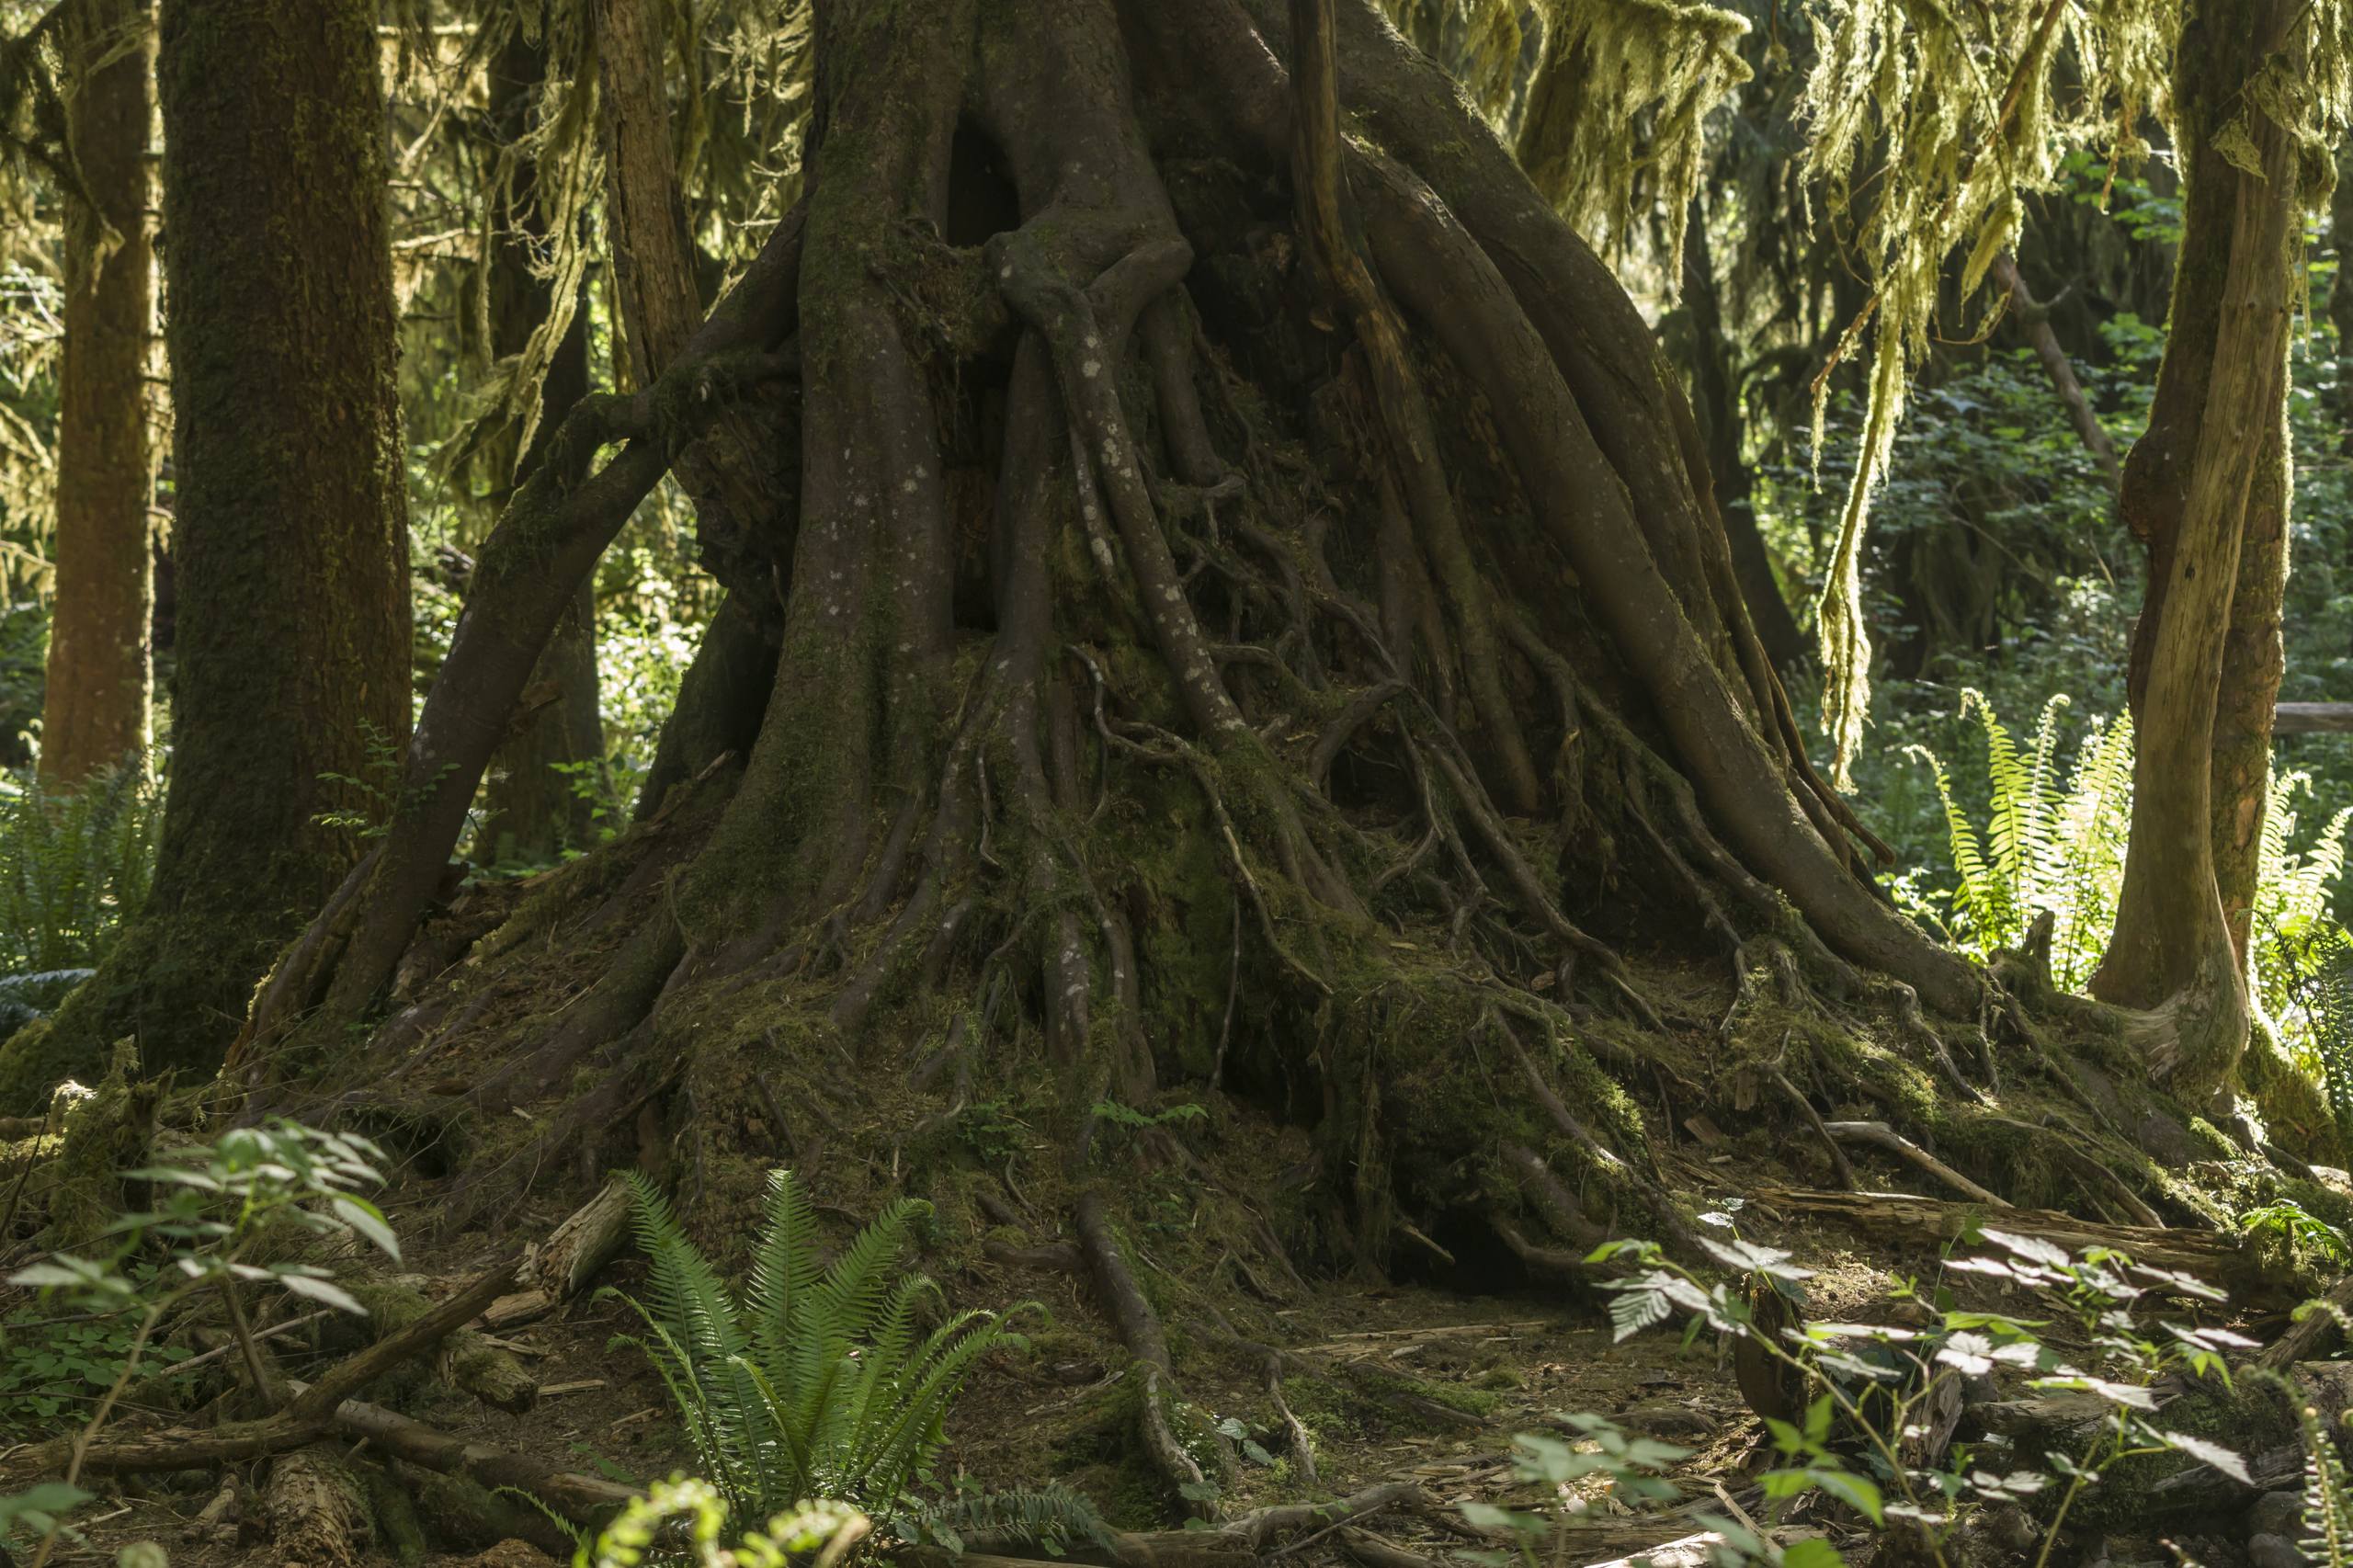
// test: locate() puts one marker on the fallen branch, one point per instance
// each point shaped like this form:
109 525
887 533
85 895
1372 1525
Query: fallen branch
584 1499
2309 1334
304 1419
594 1235
1879 1135
2209 1256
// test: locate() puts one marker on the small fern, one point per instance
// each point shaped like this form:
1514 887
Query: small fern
2319 1011
2045 846
73 865
820 1382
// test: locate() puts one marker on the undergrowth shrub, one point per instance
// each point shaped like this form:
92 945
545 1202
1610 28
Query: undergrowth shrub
1869 1410
821 1381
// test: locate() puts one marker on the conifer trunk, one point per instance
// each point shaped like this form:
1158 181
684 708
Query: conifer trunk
94 706
289 537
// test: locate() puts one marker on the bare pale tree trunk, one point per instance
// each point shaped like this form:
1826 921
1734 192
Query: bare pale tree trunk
2205 490
95 707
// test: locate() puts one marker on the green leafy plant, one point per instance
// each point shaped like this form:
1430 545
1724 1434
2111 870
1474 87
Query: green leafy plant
375 796
73 865
221 1211
2329 1496
1873 1389
2055 847
819 1382
816 1535
52 1366
2299 1228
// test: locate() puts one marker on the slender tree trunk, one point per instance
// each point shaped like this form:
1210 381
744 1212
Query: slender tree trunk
653 274
289 534
2340 295
726 687
533 810
2200 491
2034 321
1715 402
95 708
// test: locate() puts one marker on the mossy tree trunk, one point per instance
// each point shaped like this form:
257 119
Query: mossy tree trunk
289 534
532 809
95 705
1252 609
2206 490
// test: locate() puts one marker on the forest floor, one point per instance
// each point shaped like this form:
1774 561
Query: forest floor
1426 1381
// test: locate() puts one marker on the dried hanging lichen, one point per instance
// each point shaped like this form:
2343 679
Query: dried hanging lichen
1957 106
1604 102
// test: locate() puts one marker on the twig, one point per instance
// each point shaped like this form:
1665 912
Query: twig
272 1332
1837 1156
1880 1135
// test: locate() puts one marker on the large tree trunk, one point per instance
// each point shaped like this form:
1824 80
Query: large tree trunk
532 809
2206 490
289 530
1254 626
1132 583
95 707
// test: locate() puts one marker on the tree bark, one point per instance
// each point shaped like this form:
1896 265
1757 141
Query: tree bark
94 706
1715 402
532 810
2197 492
654 278
289 529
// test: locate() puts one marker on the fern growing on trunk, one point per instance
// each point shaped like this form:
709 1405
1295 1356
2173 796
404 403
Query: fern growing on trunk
820 1383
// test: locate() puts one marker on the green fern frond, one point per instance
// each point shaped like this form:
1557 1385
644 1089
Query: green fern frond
2328 1497
825 1384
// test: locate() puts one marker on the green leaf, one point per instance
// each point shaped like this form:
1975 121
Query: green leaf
2227 1460
368 1221
1812 1552
324 1291
1857 1492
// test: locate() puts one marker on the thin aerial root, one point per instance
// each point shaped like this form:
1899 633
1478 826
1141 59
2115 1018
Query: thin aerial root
1559 1206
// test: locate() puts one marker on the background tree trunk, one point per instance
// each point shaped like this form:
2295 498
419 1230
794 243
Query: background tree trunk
532 810
95 705
1715 403
2204 490
289 535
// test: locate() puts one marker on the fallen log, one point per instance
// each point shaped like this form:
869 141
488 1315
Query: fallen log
2210 1257
584 1499
317 1510
2313 719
